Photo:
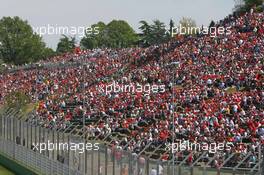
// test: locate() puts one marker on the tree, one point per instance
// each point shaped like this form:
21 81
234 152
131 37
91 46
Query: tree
17 99
155 33
159 32
116 34
251 3
239 4
66 44
171 26
246 5
89 42
121 34
48 52
95 40
19 44
212 24
188 26
146 33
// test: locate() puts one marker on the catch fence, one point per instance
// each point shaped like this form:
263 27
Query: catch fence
63 152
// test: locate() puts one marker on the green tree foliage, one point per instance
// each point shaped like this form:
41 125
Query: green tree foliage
251 3
159 31
121 34
95 40
248 4
48 52
155 33
116 34
18 43
171 25
66 44
17 99
146 37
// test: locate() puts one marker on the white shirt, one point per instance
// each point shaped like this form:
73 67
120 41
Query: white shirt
153 172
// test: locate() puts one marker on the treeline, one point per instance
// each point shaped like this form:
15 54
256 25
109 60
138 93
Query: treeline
19 44
247 5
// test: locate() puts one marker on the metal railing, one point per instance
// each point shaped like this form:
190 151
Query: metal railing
18 139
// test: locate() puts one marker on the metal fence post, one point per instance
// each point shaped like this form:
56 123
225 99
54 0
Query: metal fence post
14 140
57 151
192 170
53 141
147 165
158 163
5 127
130 161
1 126
10 129
106 159
31 137
85 155
27 134
68 154
113 156
92 170
99 163
262 164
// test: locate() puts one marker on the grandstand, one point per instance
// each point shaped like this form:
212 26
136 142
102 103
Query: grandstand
215 94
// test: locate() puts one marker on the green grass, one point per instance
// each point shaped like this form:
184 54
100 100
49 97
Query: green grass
4 171
27 109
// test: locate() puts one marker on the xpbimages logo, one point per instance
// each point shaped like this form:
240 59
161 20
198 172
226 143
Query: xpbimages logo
80 31
130 88
211 31
77 147
189 146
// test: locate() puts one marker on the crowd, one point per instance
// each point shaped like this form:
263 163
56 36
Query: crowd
213 90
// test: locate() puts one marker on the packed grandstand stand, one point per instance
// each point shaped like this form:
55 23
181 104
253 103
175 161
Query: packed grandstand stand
214 92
